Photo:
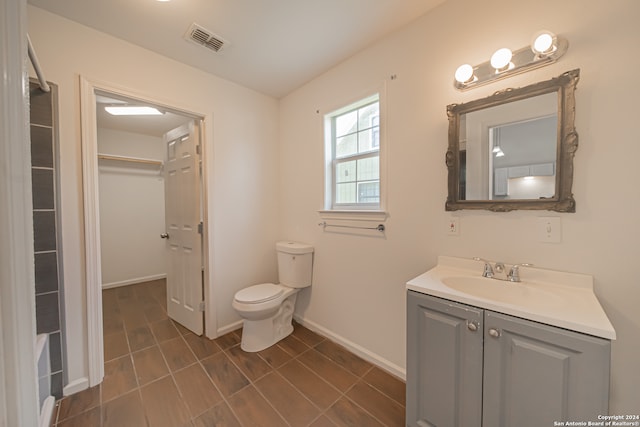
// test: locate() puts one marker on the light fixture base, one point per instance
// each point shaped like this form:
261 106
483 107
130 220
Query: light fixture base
523 60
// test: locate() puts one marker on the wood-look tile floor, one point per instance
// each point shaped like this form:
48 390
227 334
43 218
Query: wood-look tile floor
159 374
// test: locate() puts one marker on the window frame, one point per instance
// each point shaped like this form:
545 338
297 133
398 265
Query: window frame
331 161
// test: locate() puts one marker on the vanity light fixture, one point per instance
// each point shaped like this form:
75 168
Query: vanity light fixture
545 49
132 110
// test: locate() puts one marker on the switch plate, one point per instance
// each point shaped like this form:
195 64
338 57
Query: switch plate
549 229
453 226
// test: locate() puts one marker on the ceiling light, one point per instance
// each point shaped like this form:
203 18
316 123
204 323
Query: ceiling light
544 43
501 59
464 73
500 153
132 110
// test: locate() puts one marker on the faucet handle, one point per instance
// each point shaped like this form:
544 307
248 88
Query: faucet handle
514 273
488 269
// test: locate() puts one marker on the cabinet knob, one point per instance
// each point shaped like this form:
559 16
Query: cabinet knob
494 332
472 325
164 236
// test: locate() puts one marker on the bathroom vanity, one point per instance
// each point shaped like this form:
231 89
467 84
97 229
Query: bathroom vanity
487 352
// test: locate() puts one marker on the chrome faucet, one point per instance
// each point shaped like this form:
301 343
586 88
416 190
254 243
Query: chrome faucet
499 271
514 273
488 269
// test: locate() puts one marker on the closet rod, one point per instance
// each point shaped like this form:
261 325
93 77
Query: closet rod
36 66
129 159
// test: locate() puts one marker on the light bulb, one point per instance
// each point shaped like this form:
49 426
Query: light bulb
501 58
543 43
464 73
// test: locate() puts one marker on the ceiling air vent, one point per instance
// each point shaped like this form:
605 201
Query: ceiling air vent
204 37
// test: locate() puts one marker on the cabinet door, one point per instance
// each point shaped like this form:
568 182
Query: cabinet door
444 363
543 169
500 182
536 374
518 171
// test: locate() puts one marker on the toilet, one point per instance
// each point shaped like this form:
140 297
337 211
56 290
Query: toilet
267 308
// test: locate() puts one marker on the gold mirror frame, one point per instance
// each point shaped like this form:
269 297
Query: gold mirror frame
562 201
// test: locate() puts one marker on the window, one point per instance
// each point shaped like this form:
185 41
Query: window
352 138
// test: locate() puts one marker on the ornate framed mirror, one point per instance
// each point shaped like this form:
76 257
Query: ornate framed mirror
514 149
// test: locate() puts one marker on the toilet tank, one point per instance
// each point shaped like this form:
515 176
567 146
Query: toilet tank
295 264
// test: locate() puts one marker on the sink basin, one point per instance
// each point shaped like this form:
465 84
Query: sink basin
500 290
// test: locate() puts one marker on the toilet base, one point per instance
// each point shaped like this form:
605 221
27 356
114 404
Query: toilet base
260 334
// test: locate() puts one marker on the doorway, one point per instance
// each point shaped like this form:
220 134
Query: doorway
107 145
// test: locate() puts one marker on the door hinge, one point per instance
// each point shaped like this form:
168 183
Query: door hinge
200 227
198 149
201 306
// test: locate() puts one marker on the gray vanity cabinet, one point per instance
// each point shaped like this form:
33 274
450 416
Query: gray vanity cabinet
444 363
536 374
472 367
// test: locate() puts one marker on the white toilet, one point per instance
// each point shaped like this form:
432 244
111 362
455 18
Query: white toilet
267 308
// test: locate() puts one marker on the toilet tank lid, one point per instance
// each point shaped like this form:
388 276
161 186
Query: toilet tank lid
293 247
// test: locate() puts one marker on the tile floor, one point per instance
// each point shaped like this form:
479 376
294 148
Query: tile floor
159 374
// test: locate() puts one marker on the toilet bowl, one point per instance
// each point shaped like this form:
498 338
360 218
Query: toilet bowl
267 308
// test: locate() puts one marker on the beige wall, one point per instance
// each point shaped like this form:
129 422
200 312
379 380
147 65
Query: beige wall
241 138
361 299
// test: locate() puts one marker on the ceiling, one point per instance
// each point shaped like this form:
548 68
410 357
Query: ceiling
147 125
273 46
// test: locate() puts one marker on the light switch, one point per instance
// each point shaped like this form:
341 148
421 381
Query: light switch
549 229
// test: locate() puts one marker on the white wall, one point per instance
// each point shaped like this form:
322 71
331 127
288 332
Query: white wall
240 149
131 209
362 298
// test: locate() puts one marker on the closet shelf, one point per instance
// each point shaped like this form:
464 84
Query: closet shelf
129 159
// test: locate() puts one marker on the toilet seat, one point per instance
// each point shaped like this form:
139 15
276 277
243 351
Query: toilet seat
257 294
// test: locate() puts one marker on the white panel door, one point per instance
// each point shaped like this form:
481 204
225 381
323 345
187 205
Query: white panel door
182 217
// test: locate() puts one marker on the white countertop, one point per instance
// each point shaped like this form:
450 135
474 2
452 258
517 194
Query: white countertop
556 298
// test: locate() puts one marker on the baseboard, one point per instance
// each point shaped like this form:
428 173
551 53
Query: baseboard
134 281
367 355
76 386
229 328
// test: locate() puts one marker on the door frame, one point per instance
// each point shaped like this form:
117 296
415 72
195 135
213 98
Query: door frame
19 404
90 187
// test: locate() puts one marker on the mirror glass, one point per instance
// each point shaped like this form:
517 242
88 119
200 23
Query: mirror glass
514 149
509 151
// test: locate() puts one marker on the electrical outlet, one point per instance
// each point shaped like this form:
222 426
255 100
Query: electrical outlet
453 226
549 229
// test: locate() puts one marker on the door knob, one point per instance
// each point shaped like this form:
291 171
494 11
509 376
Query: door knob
164 236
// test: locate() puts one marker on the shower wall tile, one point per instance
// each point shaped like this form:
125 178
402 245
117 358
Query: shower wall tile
47 313
55 352
56 385
44 231
41 147
46 272
42 185
49 296
41 108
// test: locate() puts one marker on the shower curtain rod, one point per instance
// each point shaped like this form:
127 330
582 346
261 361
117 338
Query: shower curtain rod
36 66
